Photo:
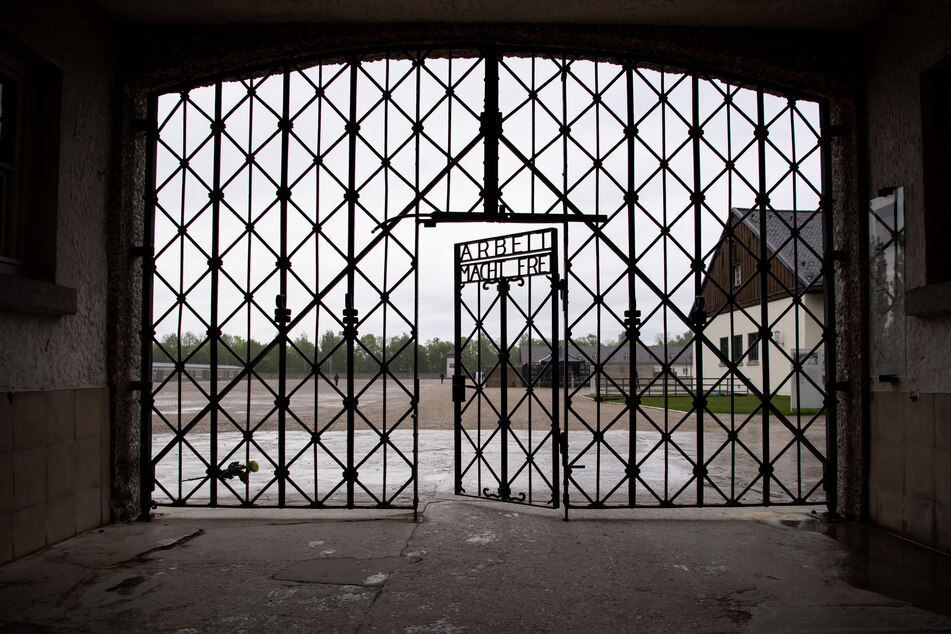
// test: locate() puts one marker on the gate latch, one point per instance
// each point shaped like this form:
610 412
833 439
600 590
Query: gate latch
458 388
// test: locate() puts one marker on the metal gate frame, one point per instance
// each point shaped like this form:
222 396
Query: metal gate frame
497 264
573 68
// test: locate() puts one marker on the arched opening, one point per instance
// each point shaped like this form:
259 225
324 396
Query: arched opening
303 281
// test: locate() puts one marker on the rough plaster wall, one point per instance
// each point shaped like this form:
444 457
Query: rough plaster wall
125 288
898 51
157 58
69 352
909 444
851 309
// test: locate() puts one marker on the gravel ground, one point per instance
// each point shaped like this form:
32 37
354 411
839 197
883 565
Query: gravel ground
255 408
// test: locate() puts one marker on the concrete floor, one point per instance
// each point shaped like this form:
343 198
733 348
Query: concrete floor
473 565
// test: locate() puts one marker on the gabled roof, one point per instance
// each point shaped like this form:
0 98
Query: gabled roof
561 356
803 251
806 250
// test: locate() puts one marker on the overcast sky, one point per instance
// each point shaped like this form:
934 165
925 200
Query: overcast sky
597 132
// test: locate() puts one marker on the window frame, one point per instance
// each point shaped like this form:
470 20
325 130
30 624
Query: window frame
752 347
28 278
737 349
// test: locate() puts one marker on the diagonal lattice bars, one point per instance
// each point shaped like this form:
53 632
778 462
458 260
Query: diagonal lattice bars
692 357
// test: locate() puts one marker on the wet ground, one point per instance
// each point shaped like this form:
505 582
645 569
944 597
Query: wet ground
475 566
601 442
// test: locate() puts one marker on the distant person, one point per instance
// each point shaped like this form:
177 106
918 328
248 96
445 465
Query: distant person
442 377
336 380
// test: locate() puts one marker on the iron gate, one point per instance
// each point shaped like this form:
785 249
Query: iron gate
506 408
281 292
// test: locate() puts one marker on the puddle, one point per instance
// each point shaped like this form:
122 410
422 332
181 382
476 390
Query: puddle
885 563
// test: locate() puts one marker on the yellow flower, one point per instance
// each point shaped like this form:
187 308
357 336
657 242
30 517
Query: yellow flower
252 466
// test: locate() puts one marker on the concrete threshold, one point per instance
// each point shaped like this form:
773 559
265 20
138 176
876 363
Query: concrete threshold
466 565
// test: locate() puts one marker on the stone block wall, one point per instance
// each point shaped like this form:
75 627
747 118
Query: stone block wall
910 470
54 473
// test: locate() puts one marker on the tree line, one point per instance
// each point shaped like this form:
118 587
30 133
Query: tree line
329 352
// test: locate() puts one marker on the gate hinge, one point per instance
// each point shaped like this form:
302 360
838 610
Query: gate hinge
836 255
835 131
139 251
140 386
560 285
143 125
147 127
840 386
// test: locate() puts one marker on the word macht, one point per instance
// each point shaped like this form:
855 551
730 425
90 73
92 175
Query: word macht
495 270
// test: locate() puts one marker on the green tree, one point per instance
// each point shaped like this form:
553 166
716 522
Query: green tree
589 339
433 355
367 353
674 340
399 353
333 353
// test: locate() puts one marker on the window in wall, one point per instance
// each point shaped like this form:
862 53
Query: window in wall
738 348
753 347
29 162
725 347
737 275
936 148
9 110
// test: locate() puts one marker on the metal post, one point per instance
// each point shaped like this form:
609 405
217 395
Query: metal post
351 406
505 492
762 203
214 264
146 333
830 476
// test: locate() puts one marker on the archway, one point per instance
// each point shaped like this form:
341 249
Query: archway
290 204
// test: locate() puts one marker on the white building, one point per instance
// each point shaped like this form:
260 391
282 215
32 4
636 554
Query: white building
794 306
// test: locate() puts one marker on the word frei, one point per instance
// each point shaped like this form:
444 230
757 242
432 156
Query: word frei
513 256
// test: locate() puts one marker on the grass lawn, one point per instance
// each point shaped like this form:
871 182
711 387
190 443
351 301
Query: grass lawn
721 404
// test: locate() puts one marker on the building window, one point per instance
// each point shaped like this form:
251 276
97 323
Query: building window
738 348
685 371
627 356
724 348
9 146
737 275
936 147
29 162
753 347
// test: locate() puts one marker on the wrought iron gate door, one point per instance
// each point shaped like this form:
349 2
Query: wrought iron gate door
282 288
281 297
506 405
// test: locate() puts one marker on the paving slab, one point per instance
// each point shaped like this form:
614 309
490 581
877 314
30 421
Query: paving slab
466 565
